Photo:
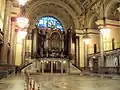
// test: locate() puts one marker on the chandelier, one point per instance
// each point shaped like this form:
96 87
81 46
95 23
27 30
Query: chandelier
22 2
22 22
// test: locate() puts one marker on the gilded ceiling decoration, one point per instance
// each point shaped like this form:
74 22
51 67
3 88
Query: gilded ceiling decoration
71 13
67 11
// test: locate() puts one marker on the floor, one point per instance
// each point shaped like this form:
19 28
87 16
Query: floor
75 82
14 82
61 82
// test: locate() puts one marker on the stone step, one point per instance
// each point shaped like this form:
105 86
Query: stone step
74 70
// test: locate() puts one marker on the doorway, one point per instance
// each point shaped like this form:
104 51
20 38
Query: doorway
95 65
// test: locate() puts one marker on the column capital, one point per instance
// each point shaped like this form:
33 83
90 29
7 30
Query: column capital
109 23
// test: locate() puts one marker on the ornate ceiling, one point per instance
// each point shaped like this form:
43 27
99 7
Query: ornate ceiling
69 12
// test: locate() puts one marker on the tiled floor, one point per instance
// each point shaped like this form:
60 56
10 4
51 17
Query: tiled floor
61 82
75 82
15 82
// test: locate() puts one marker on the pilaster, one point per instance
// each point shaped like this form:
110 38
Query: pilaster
82 52
4 57
81 48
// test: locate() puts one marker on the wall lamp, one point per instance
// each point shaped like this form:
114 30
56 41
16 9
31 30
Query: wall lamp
86 39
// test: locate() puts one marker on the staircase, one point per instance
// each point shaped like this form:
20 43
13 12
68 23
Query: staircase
74 70
32 68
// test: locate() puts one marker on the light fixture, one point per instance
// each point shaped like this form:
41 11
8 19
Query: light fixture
104 31
22 22
22 2
118 8
86 39
94 57
64 62
22 34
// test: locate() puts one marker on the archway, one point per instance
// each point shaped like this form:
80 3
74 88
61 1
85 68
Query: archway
48 37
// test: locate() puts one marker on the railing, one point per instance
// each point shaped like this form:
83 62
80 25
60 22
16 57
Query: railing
53 65
24 65
107 46
31 84
104 70
110 65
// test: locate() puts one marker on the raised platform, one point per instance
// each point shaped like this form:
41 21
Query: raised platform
53 59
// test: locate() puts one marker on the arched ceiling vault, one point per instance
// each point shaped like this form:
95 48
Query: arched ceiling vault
67 11
52 10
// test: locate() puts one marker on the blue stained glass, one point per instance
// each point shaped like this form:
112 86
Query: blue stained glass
49 22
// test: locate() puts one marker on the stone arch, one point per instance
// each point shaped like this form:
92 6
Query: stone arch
63 5
92 20
111 10
34 21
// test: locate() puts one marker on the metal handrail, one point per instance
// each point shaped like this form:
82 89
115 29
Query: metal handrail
31 83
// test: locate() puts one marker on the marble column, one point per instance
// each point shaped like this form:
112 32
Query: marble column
12 42
101 50
62 67
39 66
67 67
63 43
51 67
7 18
76 53
85 56
82 52
42 62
